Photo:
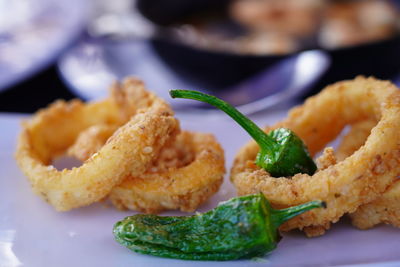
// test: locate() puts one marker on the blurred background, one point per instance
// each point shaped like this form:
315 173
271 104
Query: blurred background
256 54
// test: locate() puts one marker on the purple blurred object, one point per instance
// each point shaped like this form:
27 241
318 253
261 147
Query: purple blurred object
34 33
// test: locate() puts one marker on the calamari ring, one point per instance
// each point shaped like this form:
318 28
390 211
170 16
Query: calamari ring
356 180
91 140
349 143
51 131
354 139
385 208
185 174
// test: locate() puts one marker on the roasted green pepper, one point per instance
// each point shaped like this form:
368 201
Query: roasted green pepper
242 227
282 152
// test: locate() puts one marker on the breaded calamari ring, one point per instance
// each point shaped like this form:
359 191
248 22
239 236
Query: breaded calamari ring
130 150
91 140
383 209
345 186
386 207
185 174
349 143
354 139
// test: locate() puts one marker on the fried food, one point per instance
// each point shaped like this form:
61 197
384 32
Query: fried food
349 143
146 121
348 184
186 174
383 209
354 139
91 140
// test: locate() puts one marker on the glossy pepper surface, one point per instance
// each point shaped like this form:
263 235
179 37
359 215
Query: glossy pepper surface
242 227
282 152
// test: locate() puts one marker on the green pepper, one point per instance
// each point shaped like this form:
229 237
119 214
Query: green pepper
282 152
242 227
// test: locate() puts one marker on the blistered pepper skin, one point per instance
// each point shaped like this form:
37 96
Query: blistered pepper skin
242 227
282 152
291 155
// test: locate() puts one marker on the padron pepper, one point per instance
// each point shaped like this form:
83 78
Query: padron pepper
242 227
282 152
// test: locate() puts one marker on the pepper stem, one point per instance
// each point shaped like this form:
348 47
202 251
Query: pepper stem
278 217
262 139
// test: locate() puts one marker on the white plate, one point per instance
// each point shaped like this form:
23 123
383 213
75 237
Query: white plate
33 234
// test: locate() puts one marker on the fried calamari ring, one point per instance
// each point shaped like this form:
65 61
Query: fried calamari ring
130 150
349 143
385 208
186 174
91 140
354 139
356 180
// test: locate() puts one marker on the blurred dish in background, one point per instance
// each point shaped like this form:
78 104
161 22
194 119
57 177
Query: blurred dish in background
121 42
92 65
349 23
34 33
273 26
276 27
293 17
154 40
218 44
